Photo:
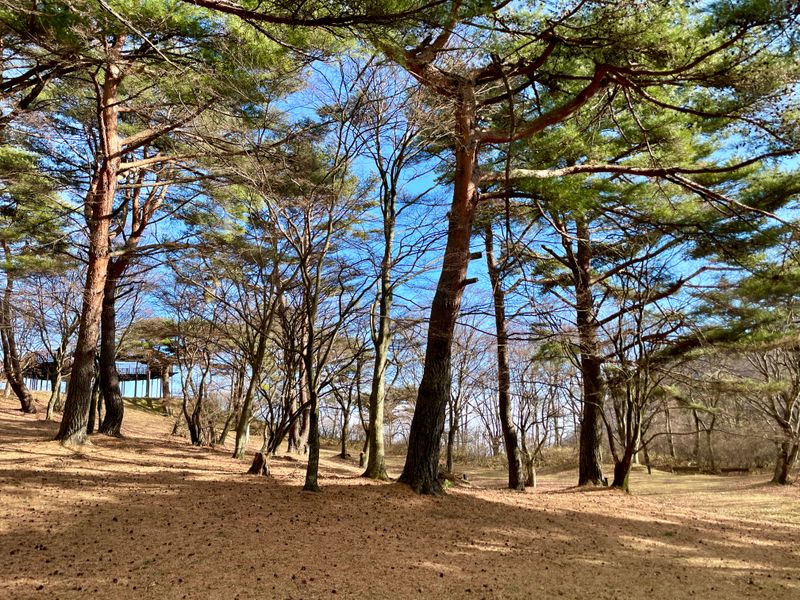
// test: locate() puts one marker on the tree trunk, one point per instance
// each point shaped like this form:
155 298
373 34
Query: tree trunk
345 432
633 434
194 421
421 468
232 415
787 452
451 440
55 394
260 465
670 438
242 435
622 471
290 401
712 460
312 469
195 425
530 463
376 460
234 404
590 470
11 361
98 209
109 377
515 480
245 414
93 406
166 393
305 418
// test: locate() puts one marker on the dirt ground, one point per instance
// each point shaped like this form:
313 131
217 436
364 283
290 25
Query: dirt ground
149 516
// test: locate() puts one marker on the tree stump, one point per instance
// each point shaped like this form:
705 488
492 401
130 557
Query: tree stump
260 465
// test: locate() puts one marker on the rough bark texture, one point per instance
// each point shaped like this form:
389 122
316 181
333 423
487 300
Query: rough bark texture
312 469
787 451
109 377
590 469
98 208
12 366
260 465
421 468
622 470
515 480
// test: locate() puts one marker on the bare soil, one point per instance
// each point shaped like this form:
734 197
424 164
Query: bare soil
149 516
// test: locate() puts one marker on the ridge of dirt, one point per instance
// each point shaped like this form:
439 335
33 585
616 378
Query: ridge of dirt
149 516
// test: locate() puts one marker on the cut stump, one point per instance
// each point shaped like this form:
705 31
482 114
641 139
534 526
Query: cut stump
260 465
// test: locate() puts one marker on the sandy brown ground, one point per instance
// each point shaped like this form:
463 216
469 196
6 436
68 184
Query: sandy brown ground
149 516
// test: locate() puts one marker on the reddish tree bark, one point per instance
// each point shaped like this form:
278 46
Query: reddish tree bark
98 208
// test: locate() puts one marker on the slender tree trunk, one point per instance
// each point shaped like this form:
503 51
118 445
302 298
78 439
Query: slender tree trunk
12 366
109 377
622 467
515 480
290 402
421 468
55 394
670 438
245 415
590 470
312 469
232 416
696 451
194 420
234 403
530 463
166 392
305 418
376 460
291 436
99 206
93 406
345 433
195 423
712 460
452 431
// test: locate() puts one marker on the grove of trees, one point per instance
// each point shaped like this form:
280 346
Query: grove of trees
455 227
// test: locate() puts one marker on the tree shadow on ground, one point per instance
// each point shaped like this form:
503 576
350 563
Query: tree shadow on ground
166 525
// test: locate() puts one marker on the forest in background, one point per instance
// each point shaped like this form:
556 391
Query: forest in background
454 227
